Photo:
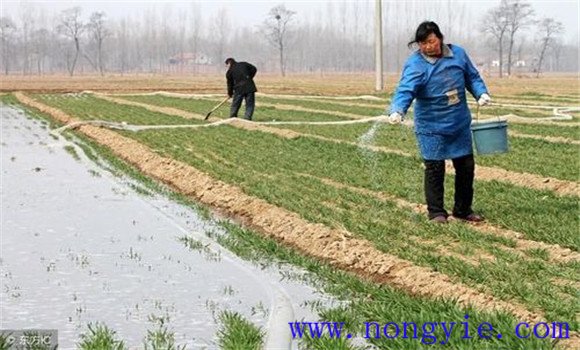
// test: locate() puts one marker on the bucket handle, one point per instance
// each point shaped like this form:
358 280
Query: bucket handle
477 115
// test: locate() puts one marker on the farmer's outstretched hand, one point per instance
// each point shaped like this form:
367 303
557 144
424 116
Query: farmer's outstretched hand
395 118
484 100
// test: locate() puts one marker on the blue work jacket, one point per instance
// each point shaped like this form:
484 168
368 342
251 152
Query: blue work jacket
438 88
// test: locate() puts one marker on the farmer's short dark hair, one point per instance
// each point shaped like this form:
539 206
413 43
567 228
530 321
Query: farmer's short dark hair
424 30
230 60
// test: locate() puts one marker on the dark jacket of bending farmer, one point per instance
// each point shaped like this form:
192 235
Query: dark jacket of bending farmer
436 77
241 86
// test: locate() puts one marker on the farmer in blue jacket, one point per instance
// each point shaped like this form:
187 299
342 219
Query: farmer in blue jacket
436 77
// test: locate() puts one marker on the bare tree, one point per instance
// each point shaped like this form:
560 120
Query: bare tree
168 37
557 50
549 28
221 29
195 32
138 50
331 38
98 32
495 23
72 27
7 32
40 46
519 15
123 38
276 28
182 17
450 18
26 28
459 21
355 31
150 37
330 33
42 39
397 39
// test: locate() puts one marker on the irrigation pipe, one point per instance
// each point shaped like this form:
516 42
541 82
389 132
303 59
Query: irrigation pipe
317 97
131 127
558 112
297 97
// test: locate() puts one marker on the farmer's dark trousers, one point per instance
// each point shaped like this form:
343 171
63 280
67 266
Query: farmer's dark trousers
434 186
237 103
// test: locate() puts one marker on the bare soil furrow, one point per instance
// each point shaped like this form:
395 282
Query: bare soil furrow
316 240
556 252
561 187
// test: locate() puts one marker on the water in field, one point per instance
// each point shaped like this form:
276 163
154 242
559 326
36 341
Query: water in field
79 245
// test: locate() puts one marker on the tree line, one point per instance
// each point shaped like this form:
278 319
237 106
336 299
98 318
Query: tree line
337 37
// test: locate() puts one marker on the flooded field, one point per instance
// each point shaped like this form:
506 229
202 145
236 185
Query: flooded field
80 246
313 183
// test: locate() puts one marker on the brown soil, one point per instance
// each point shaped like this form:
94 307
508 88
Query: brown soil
552 139
556 252
319 83
289 107
561 187
310 110
313 239
565 282
512 118
316 240
289 134
449 250
286 133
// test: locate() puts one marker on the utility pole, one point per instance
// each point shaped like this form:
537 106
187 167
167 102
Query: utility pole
378 46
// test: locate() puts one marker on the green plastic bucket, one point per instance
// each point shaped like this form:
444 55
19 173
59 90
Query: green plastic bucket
490 137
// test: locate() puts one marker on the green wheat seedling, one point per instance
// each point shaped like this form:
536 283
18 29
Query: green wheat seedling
236 332
100 337
161 339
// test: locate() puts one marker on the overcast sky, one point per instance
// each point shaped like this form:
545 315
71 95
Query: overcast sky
254 12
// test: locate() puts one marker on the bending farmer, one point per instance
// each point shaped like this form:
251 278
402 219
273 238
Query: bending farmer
241 86
436 77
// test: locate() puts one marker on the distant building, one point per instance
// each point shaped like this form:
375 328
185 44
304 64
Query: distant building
189 62
190 58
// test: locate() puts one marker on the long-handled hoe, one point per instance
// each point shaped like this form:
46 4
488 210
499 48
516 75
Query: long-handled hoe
216 107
